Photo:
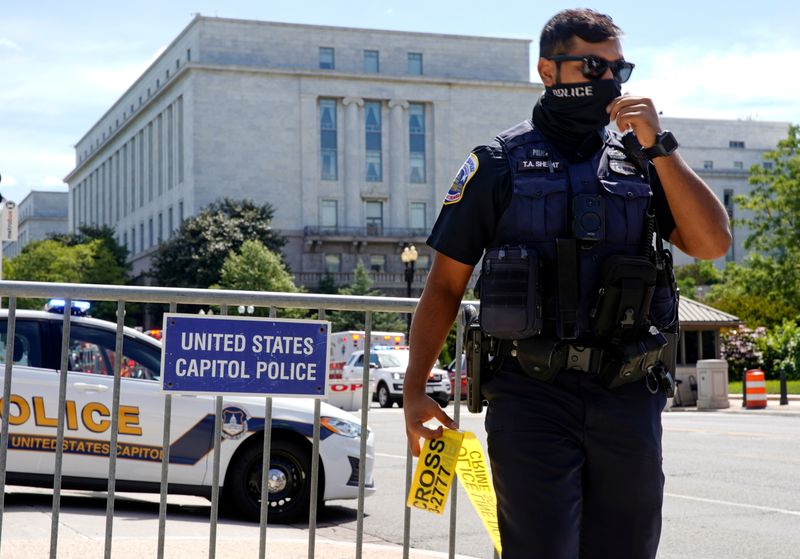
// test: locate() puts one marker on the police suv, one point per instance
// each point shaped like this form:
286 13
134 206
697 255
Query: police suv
388 366
33 423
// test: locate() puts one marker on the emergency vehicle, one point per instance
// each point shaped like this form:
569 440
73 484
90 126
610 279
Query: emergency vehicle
33 422
388 366
343 344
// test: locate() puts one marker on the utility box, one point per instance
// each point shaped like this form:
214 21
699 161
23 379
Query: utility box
712 384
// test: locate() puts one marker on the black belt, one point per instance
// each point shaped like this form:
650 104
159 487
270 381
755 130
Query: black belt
553 355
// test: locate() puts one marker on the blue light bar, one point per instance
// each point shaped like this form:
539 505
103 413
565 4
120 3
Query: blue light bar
78 308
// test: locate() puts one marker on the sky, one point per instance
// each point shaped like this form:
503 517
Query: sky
63 64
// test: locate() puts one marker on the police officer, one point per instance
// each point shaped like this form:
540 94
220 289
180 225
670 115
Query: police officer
573 423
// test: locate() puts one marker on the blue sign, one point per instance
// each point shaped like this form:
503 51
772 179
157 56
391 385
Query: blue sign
236 355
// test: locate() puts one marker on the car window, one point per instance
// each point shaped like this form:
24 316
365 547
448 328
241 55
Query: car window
359 361
91 350
394 359
27 342
373 358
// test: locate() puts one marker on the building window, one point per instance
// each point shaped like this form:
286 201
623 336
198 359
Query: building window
415 63
150 231
423 262
374 218
416 142
372 112
708 164
328 214
736 144
377 263
160 153
728 202
141 236
416 215
170 223
327 138
160 227
326 61
180 213
188 55
333 263
133 240
768 165
371 62
738 165
125 240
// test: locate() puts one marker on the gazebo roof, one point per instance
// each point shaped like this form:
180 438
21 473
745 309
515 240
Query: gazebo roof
694 314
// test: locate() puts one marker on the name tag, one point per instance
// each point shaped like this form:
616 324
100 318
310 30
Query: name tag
538 164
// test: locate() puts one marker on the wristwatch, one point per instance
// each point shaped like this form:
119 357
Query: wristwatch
665 145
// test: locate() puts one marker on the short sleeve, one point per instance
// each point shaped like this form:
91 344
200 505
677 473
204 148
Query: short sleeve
473 205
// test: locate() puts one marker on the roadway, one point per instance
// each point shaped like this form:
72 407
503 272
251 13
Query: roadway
732 491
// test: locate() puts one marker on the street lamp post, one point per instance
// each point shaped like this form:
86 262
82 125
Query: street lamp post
409 258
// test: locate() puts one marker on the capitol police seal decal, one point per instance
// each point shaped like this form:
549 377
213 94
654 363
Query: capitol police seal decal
234 423
467 171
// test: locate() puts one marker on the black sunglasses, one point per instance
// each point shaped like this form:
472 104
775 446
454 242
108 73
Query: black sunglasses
595 66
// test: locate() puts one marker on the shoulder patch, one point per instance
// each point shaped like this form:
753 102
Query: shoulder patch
467 171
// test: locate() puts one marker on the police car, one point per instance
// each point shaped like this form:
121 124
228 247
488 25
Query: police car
388 366
33 423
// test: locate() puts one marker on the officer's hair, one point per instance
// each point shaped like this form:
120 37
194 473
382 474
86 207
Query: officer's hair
558 33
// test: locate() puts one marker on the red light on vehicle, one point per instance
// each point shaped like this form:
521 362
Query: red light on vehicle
154 333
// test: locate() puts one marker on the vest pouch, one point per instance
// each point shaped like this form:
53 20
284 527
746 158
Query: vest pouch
623 299
664 307
510 300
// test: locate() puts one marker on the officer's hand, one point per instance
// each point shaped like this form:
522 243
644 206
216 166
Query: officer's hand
637 113
418 409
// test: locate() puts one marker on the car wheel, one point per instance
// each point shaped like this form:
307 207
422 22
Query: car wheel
289 482
384 398
443 401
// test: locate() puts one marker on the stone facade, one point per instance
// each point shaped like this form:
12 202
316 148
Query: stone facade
40 214
722 152
239 116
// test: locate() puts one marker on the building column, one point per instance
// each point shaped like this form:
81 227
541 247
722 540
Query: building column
352 157
398 163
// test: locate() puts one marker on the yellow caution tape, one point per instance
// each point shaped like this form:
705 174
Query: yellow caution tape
441 459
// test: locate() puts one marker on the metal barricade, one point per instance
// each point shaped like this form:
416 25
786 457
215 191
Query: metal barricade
173 297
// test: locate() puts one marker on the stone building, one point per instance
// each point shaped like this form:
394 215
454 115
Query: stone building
40 213
353 135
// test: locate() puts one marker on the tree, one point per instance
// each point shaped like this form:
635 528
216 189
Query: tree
354 320
255 268
765 289
194 258
775 200
51 261
689 276
88 233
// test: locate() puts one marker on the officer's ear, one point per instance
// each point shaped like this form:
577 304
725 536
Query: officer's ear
547 71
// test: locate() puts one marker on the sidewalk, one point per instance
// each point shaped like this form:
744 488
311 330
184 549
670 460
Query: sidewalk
773 406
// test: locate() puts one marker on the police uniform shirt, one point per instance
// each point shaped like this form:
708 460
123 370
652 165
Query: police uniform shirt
480 193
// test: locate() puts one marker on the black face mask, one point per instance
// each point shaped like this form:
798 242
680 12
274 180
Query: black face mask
567 113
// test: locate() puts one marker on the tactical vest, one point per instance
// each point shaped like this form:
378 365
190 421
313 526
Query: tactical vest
553 199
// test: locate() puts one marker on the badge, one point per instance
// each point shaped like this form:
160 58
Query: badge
234 423
467 171
538 164
538 152
614 153
623 167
